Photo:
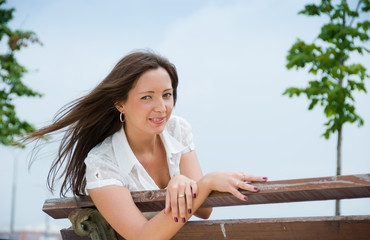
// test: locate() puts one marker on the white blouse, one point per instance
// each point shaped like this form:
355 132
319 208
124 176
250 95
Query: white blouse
112 161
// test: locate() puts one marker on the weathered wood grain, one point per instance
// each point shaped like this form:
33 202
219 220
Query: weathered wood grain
352 227
309 189
328 228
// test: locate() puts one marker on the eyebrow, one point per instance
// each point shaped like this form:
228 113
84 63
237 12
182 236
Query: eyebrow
168 89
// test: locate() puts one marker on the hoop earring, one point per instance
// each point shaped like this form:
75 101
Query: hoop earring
122 116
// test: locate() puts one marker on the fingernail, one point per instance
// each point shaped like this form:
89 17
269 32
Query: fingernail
264 178
176 220
183 220
189 211
245 198
256 188
195 195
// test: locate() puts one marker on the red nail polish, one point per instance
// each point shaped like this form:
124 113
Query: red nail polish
245 198
183 220
195 195
256 188
176 220
264 178
189 211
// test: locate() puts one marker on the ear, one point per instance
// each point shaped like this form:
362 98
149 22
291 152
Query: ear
120 107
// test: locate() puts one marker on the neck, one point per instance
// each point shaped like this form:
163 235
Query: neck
140 142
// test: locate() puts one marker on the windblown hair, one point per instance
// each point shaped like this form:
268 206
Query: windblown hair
88 120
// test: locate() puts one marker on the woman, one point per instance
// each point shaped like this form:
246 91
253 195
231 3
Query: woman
121 137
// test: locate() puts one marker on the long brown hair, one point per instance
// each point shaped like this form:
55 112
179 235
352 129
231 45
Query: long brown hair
88 120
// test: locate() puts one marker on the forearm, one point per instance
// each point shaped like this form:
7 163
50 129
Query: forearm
122 214
163 226
203 213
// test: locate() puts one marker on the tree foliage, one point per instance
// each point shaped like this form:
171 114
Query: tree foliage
328 59
11 74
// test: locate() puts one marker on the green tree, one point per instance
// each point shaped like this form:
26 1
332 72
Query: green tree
11 74
328 60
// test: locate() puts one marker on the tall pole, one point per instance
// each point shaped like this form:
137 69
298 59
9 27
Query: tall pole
47 222
339 167
14 192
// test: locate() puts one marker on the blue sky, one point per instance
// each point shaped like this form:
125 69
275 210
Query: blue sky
230 57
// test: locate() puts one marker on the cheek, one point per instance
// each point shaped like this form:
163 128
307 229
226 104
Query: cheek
140 108
170 105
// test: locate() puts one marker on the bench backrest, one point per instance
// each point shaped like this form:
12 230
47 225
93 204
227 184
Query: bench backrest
309 189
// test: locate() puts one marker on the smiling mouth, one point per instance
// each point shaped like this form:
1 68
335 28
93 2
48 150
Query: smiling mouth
159 120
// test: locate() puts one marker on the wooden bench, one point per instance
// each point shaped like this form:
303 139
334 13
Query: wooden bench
310 189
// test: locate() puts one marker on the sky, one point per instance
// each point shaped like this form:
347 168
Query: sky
230 57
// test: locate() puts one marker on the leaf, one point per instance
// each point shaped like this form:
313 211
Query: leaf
313 103
11 75
336 79
310 10
292 91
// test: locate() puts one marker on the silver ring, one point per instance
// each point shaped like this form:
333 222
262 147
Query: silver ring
181 195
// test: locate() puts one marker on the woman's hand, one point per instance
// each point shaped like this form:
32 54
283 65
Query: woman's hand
179 197
232 181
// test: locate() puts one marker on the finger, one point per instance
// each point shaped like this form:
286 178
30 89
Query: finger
252 178
189 199
173 200
238 194
182 204
248 187
237 184
167 203
194 188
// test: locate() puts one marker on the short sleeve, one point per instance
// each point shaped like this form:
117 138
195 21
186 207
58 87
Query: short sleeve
101 171
186 135
180 129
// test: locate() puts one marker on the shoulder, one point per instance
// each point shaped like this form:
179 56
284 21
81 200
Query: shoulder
180 129
177 126
177 122
102 148
102 168
102 153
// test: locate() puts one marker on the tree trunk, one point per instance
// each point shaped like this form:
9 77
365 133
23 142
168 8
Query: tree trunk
339 143
339 167
14 193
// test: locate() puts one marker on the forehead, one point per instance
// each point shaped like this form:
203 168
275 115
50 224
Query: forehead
152 79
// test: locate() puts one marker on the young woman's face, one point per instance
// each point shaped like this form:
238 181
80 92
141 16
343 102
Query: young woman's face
149 104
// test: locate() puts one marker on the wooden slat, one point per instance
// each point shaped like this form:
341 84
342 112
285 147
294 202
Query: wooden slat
309 189
62 207
338 228
355 227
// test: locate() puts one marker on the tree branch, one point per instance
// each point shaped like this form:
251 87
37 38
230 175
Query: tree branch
331 18
357 7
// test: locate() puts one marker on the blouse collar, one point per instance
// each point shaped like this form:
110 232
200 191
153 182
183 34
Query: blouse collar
126 158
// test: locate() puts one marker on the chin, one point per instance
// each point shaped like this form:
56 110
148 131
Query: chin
158 130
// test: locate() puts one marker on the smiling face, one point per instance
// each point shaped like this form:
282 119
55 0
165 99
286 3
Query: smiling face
149 103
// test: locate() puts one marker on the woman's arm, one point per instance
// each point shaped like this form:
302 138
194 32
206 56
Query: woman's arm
189 167
116 205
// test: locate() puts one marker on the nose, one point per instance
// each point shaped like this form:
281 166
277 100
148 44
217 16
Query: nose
160 106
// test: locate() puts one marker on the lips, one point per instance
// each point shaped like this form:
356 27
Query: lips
157 120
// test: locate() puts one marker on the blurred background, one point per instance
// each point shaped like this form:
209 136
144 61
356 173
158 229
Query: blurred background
231 58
